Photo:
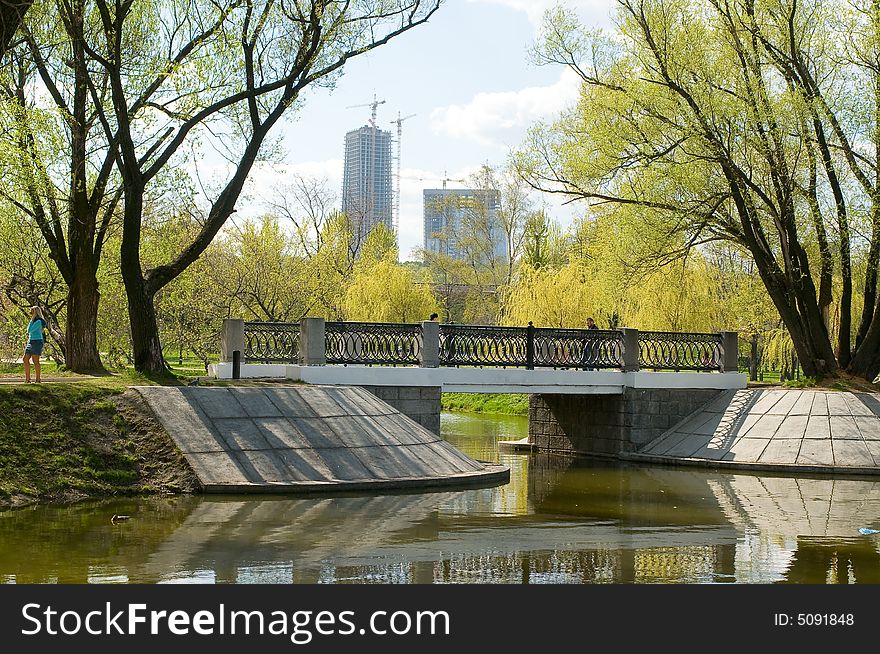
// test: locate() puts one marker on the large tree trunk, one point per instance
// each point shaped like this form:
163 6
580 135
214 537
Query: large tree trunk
81 347
145 341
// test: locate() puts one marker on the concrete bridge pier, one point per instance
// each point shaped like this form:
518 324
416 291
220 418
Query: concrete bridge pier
609 425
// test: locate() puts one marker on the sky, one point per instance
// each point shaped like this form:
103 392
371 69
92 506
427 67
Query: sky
465 78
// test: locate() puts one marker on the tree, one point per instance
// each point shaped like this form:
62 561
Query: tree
157 78
12 12
741 121
385 291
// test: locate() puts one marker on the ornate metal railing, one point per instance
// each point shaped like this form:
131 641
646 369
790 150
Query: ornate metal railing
578 348
477 345
372 343
480 345
680 351
271 342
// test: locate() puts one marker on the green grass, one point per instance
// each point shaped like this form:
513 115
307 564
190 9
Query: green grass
67 441
515 404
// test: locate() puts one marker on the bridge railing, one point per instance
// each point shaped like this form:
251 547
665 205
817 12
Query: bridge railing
271 342
313 341
680 351
372 343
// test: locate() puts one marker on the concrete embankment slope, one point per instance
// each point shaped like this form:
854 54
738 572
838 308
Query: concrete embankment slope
308 439
812 431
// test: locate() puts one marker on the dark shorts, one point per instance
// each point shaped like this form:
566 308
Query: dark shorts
34 347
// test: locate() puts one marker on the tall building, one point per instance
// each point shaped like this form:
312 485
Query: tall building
367 180
456 217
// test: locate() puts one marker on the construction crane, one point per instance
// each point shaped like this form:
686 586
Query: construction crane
375 103
443 179
395 207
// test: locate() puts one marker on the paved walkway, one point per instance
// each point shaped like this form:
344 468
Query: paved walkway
307 439
820 431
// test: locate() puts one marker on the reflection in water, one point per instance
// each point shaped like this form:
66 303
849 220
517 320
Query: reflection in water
559 520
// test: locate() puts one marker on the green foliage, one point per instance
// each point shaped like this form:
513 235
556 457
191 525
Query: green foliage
805 382
515 404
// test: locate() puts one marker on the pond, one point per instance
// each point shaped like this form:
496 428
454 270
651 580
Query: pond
559 520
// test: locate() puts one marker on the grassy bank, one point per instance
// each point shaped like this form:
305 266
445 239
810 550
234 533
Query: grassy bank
70 441
512 404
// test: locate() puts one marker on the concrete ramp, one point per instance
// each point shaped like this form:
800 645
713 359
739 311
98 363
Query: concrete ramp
307 439
812 431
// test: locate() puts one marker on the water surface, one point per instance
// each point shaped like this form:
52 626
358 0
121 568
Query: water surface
559 520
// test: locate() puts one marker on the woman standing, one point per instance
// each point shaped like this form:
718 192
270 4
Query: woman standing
34 347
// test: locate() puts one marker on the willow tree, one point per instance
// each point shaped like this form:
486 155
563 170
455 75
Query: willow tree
737 120
152 83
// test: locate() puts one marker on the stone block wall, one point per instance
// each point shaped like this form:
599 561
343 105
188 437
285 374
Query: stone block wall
421 403
609 424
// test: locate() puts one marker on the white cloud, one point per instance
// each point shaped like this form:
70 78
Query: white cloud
501 118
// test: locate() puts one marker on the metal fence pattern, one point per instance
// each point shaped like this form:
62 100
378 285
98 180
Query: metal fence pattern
372 343
529 347
680 351
271 342
482 345
578 348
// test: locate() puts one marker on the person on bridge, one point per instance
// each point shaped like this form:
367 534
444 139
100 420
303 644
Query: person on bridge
433 316
34 347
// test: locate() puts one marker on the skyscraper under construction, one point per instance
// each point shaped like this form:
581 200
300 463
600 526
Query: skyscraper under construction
367 180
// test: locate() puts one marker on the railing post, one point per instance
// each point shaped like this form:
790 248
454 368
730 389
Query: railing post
730 351
429 344
311 342
530 346
231 338
236 364
753 359
630 349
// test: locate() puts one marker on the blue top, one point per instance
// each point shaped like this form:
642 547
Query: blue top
35 329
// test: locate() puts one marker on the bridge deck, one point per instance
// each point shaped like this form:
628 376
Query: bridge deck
488 380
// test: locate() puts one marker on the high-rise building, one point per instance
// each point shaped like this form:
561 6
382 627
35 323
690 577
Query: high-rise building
367 180
454 217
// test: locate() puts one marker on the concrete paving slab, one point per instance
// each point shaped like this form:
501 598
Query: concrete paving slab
291 404
280 433
856 406
183 419
781 451
785 404
726 398
766 400
793 426
316 433
816 452
851 453
305 465
869 427
216 468
874 449
687 447
837 404
663 445
709 426
241 434
748 449
818 428
870 401
406 430
820 404
383 463
255 402
765 427
350 401
320 402
844 428
344 465
803 404
262 467
217 403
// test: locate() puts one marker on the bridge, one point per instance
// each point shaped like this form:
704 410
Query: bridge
598 391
